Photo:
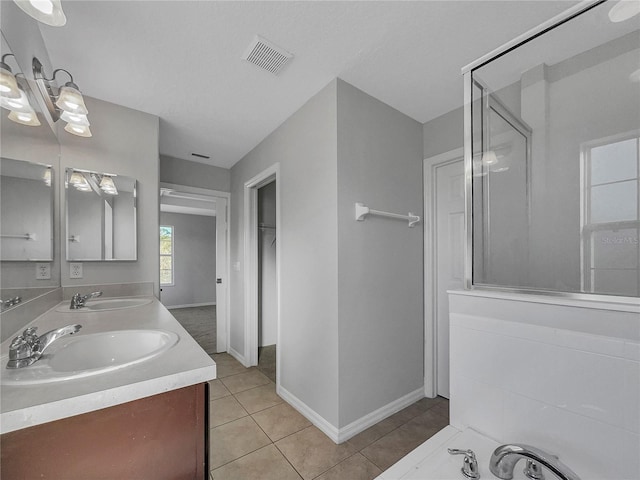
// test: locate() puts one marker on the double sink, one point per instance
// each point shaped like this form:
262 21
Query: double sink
83 355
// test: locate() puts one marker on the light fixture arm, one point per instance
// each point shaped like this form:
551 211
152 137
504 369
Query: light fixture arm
71 83
3 63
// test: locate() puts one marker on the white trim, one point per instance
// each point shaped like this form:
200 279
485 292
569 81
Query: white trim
360 425
189 305
340 435
251 264
235 354
225 322
196 190
430 294
320 422
535 31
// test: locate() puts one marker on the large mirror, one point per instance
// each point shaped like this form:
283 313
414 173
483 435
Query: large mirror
26 209
555 136
101 216
29 254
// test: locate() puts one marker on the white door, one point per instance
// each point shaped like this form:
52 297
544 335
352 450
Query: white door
222 278
449 257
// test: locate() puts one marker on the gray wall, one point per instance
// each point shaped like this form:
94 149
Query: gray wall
380 295
124 142
444 133
194 275
351 311
267 288
194 174
305 147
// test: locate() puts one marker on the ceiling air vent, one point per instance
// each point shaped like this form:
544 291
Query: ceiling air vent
266 55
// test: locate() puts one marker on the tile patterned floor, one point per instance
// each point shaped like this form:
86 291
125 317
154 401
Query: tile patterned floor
257 435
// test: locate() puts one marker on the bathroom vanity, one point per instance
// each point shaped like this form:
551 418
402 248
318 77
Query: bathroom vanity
137 417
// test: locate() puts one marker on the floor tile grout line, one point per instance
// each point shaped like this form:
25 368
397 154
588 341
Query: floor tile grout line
287 459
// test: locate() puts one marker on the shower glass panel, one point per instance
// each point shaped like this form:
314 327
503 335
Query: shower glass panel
553 159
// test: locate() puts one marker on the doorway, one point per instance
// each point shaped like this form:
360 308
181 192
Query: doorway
262 272
444 187
194 262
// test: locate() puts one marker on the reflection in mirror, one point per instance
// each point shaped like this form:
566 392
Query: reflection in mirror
28 195
555 135
26 209
101 216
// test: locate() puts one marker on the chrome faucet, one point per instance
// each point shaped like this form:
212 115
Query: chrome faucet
79 301
505 457
26 349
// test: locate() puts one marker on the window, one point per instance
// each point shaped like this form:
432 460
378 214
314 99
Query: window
166 255
611 220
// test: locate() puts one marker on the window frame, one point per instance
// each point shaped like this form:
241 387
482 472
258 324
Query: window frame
588 228
170 255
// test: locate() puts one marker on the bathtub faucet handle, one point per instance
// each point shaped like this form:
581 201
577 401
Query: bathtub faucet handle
470 464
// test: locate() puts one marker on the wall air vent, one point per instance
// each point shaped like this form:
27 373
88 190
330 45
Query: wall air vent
266 55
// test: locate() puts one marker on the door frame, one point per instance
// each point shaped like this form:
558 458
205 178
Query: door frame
251 265
221 323
430 273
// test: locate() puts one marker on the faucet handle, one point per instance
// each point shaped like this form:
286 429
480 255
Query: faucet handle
19 349
533 470
470 464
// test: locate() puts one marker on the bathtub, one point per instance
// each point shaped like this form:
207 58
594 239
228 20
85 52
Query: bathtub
431 461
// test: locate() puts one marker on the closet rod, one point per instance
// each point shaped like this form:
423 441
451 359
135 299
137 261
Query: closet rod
362 211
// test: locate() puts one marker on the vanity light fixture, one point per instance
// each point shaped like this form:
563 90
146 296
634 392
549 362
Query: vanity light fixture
624 10
107 185
48 12
46 176
79 181
8 84
66 104
25 118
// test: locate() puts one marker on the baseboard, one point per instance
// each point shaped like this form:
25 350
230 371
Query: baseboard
340 435
238 357
206 304
310 414
360 425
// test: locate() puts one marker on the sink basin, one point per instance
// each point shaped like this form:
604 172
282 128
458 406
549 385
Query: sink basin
107 304
84 355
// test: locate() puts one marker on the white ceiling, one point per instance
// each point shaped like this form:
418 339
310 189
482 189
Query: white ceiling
180 60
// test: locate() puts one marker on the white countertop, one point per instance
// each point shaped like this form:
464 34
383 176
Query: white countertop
182 365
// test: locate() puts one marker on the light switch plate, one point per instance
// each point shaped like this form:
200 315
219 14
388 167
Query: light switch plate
43 271
75 270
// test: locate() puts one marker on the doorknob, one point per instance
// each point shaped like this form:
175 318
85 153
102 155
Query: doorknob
218 280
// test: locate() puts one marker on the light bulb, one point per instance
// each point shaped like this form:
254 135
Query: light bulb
70 100
44 6
489 158
20 104
78 130
48 12
624 10
8 85
47 177
75 118
25 118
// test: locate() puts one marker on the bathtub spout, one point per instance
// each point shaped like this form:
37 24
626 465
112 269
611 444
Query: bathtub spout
505 457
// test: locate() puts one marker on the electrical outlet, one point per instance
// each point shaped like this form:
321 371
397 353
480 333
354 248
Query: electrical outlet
75 270
43 271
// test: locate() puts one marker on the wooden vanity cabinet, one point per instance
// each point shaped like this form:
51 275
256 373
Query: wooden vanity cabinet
164 436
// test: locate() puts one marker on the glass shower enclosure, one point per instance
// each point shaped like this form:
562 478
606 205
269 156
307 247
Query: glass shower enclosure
552 157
